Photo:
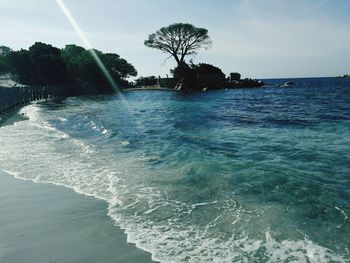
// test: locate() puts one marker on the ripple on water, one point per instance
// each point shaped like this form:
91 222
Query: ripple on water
214 177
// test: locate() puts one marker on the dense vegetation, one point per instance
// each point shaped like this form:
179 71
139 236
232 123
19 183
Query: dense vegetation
4 52
192 70
188 75
146 81
43 64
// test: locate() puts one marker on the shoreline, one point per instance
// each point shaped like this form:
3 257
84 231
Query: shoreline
49 223
149 88
11 116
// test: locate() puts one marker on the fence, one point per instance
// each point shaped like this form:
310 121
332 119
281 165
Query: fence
12 97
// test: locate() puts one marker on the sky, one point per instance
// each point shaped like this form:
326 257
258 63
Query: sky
259 39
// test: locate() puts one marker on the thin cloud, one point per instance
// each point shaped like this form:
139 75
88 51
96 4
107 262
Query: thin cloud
251 36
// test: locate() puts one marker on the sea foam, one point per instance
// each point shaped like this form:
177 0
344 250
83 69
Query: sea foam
158 220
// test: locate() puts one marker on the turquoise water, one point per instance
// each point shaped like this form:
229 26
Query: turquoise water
251 175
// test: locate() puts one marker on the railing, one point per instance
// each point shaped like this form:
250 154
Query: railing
16 96
12 97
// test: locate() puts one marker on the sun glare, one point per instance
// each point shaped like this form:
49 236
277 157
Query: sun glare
87 45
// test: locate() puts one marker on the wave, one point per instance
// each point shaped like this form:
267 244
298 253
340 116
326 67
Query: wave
33 113
101 129
154 218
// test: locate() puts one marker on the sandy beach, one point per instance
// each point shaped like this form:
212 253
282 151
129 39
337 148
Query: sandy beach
47 223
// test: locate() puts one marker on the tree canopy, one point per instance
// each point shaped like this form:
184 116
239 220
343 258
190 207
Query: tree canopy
48 64
179 40
71 56
4 52
118 66
20 64
197 76
146 81
44 64
204 68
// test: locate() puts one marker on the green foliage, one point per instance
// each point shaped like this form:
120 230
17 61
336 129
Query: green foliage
203 68
70 53
185 71
49 66
189 75
44 64
4 53
146 81
179 40
20 63
71 56
40 65
83 67
182 71
119 67
88 69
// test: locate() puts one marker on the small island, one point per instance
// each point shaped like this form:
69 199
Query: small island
180 40
345 76
74 70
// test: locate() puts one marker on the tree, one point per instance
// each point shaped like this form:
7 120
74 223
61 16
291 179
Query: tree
48 63
71 55
119 67
20 64
44 64
88 69
198 76
4 53
204 68
179 40
146 81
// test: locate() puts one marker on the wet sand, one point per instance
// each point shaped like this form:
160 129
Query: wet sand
48 223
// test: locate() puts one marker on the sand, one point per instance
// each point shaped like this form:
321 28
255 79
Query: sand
48 223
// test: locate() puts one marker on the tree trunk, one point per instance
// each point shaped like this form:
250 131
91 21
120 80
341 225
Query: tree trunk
182 58
177 59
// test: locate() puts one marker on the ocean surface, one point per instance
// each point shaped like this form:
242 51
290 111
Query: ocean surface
245 175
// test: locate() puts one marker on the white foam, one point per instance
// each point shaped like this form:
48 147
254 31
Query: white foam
33 112
137 207
125 143
62 119
87 150
101 129
342 212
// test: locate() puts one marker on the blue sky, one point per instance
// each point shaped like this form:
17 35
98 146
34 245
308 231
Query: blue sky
261 39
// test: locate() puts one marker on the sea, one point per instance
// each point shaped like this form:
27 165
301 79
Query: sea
239 175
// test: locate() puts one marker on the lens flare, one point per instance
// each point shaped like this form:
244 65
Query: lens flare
98 61
88 45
